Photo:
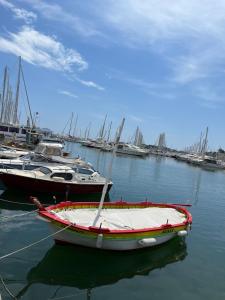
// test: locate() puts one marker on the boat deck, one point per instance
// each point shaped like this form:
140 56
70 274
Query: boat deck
119 219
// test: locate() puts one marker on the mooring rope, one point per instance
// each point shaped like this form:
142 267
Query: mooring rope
9 201
7 289
24 203
35 243
3 218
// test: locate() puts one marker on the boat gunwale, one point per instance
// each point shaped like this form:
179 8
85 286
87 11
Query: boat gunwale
47 214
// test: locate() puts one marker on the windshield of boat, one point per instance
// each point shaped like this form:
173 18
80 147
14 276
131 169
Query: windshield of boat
53 151
84 171
44 170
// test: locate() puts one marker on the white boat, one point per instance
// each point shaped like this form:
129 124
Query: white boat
44 153
212 163
119 226
10 152
130 149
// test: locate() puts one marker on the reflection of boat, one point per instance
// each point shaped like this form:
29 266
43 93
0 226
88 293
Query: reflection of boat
118 225
85 268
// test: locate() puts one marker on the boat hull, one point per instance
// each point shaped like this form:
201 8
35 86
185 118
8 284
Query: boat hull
133 153
116 236
29 184
119 243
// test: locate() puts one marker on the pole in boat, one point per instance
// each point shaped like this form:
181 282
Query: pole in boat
104 191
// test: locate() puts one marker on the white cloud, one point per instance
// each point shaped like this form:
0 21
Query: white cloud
19 13
67 93
55 12
135 118
192 32
43 50
90 84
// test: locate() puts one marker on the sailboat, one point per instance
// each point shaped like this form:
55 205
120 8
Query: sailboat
9 119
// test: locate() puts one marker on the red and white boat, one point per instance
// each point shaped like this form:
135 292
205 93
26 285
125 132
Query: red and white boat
119 226
57 179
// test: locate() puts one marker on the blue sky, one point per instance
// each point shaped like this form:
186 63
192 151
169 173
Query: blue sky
160 64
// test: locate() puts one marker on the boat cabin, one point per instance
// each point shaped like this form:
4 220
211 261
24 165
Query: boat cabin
54 149
64 173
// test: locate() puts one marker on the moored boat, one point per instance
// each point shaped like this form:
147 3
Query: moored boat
120 225
129 149
57 180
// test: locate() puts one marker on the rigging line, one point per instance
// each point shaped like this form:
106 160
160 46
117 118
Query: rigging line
25 87
35 243
6 288
20 215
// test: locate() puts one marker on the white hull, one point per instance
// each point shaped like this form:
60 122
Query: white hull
73 237
130 152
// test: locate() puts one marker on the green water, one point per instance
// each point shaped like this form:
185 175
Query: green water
193 268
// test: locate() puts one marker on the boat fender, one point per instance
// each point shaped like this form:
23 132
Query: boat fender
182 233
99 240
147 242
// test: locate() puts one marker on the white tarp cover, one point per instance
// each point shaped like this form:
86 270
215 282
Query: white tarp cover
132 218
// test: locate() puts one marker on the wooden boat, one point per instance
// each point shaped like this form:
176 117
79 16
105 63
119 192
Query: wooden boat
59 180
120 225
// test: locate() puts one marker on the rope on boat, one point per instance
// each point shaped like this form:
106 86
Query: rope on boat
24 203
4 200
7 289
3 218
35 243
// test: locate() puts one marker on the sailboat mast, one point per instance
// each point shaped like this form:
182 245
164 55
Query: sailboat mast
104 191
25 87
109 132
3 92
118 135
89 128
103 128
204 146
75 125
15 117
71 121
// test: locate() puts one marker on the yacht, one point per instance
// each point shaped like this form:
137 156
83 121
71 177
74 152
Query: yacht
131 149
50 153
57 180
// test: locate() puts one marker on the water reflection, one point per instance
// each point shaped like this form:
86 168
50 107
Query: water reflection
197 186
84 268
157 167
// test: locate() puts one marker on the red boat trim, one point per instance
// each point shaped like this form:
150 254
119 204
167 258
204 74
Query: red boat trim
92 229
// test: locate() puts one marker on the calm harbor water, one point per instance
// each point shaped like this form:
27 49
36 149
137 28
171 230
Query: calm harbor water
180 269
